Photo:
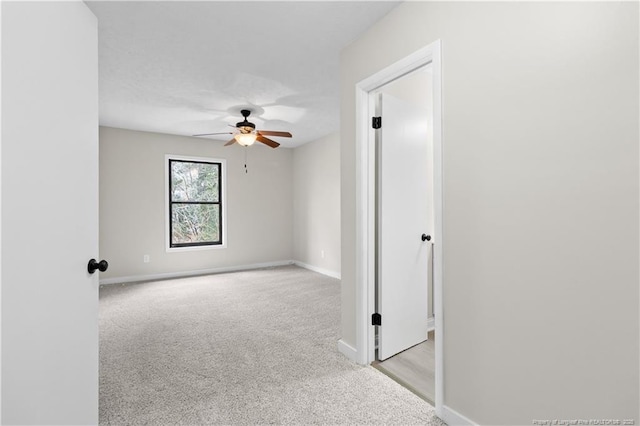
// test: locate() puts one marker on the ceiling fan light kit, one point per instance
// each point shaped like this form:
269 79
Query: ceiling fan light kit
245 139
248 133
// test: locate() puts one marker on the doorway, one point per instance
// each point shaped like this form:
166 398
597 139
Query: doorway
405 348
425 66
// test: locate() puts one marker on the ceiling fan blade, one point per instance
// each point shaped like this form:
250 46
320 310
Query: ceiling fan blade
211 134
272 133
267 141
231 142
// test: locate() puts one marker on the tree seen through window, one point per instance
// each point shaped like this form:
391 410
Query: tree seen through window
195 203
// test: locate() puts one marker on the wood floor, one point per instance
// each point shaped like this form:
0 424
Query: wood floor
414 368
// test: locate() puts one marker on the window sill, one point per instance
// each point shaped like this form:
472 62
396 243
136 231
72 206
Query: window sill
195 248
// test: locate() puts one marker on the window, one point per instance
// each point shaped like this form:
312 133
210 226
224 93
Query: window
195 202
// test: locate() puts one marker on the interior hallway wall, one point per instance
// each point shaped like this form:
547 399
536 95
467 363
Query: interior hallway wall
132 204
316 204
541 205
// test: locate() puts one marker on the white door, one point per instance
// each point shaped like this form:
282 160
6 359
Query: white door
49 213
404 215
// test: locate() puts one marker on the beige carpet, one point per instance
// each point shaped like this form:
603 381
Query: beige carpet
255 347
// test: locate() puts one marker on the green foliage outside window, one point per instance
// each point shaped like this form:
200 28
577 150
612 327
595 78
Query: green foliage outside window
195 203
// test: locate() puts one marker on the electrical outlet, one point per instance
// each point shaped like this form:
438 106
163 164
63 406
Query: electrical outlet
145 258
322 253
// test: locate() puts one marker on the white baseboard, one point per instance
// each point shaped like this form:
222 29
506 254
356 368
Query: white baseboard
152 277
453 418
431 324
347 350
322 271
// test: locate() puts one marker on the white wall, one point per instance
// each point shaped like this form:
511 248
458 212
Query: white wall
132 197
316 204
540 128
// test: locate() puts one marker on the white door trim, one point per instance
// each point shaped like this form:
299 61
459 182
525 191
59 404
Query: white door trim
365 206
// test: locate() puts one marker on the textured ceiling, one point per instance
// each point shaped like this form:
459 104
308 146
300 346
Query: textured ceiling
189 67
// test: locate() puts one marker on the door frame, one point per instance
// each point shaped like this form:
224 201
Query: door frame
366 206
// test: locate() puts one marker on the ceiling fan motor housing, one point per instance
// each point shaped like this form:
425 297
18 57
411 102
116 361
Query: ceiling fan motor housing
245 126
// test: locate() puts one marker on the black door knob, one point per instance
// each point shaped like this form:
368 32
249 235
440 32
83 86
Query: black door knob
426 237
93 265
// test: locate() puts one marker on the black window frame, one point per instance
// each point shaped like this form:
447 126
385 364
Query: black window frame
219 203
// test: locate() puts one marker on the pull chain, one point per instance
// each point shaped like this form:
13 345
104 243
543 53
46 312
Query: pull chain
245 160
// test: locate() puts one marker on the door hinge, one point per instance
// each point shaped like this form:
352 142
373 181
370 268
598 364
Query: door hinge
376 319
376 122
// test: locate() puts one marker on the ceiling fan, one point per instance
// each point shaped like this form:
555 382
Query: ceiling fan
248 134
